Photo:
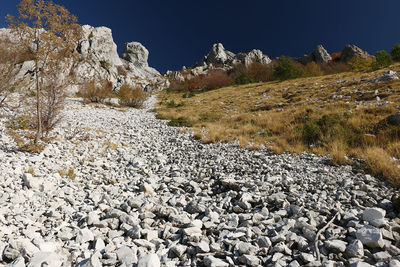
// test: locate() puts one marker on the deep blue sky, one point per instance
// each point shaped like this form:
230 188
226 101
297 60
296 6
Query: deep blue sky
181 32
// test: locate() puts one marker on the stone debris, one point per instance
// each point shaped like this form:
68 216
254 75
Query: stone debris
161 198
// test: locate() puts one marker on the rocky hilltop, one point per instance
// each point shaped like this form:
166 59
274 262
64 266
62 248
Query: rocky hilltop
100 61
220 58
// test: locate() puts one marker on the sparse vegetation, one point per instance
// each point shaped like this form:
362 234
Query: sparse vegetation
55 34
93 92
131 97
320 114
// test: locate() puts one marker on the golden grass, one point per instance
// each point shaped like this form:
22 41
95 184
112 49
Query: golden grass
380 163
335 114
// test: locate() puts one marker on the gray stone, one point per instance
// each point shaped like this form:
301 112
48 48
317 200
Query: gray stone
211 261
335 245
355 249
387 76
250 260
41 259
370 236
394 263
149 260
31 182
382 256
126 255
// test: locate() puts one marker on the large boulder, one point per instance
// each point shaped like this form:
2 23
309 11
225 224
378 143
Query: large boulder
351 51
136 54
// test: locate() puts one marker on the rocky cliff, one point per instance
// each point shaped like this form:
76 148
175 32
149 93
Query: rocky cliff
100 61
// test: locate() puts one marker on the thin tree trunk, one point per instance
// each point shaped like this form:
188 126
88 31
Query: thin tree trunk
38 108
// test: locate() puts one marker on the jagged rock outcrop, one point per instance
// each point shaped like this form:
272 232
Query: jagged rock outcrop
217 55
352 51
253 56
319 55
220 56
100 61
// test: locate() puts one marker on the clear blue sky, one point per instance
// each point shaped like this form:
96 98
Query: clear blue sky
181 32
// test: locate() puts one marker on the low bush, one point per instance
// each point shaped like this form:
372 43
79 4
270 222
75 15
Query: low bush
312 69
395 53
243 78
359 64
131 97
180 122
382 60
93 92
334 67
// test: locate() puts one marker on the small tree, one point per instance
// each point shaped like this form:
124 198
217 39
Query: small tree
285 70
382 60
395 53
51 34
312 69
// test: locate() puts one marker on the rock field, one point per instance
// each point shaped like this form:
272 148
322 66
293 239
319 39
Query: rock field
121 188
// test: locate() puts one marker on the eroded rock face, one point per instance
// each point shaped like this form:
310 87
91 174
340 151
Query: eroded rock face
352 51
100 61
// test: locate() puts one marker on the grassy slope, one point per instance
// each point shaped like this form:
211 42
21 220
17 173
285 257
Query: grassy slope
289 116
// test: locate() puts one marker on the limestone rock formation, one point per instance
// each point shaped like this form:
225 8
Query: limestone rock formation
99 60
220 56
102 61
319 55
352 51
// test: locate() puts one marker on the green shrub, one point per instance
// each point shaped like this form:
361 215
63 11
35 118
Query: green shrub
285 70
311 132
396 52
243 78
180 122
382 59
359 64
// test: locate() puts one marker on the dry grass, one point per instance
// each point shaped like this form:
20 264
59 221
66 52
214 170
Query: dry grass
380 163
336 114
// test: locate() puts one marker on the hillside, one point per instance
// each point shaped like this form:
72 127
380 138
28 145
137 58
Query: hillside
341 114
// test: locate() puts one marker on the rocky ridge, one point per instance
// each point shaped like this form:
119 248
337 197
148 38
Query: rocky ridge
100 61
143 193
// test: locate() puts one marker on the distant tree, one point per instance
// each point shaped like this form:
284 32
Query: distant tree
285 69
382 59
396 52
51 34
